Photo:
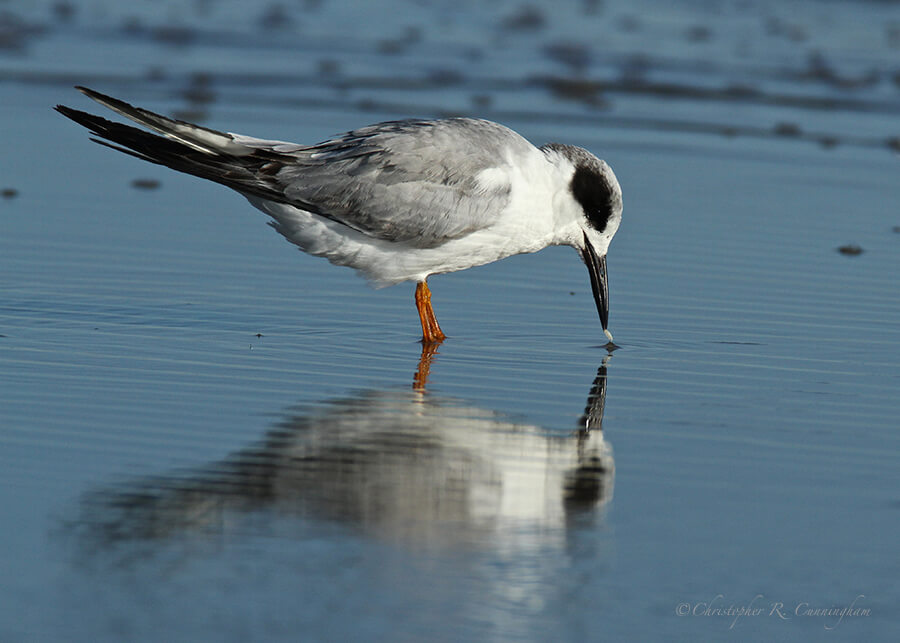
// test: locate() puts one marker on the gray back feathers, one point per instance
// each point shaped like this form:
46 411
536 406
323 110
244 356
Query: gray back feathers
380 179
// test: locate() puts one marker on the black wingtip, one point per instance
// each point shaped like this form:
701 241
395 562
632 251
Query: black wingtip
103 99
90 93
70 113
82 118
107 101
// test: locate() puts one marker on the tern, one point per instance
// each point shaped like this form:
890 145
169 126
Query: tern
399 200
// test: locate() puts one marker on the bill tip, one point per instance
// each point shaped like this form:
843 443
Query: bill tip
608 334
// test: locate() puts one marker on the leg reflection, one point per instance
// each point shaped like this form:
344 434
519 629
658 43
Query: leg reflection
420 379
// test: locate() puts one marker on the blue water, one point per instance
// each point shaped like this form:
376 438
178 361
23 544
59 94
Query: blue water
207 435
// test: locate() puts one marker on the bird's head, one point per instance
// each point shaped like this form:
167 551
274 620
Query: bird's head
598 211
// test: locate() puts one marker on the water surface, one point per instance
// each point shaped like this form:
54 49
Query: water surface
207 435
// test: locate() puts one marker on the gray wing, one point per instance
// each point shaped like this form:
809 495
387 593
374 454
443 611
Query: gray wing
410 181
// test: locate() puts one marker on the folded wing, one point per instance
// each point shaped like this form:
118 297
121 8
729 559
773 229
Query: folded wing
418 182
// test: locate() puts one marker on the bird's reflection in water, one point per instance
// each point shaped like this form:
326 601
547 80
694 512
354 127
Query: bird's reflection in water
402 466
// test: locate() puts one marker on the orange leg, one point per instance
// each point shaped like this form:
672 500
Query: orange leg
431 331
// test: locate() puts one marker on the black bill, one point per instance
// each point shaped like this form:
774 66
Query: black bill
597 267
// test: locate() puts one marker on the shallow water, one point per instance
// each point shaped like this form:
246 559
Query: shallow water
205 434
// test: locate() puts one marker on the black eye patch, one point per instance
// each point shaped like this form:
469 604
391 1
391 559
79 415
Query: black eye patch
595 195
